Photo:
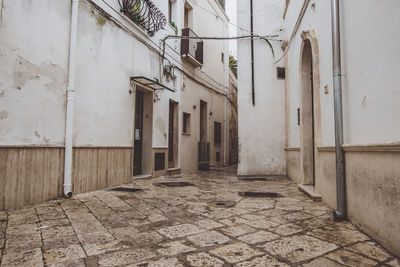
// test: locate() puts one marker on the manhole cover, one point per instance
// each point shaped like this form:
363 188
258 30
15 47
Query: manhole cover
126 189
173 184
250 179
259 194
223 204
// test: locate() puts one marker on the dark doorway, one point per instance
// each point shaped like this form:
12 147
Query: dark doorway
138 134
204 146
171 133
203 121
307 115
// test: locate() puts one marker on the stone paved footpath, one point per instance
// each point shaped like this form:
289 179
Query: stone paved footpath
207 224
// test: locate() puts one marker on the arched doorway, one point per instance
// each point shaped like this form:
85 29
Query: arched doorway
309 108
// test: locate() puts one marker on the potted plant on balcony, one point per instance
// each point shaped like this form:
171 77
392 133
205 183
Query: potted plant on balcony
135 15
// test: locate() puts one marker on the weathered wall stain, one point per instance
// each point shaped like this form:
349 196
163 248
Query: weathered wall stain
100 19
3 115
53 75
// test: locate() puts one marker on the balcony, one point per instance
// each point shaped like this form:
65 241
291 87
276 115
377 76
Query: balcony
192 49
144 14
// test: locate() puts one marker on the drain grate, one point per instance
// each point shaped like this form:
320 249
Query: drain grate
222 204
260 194
251 179
173 184
126 189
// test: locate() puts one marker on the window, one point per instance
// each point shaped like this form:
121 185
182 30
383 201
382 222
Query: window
217 133
186 123
222 57
280 73
188 16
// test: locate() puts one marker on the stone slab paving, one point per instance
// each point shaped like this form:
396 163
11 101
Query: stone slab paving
208 224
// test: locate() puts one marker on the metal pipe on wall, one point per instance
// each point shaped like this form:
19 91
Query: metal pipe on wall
341 212
253 93
226 63
69 121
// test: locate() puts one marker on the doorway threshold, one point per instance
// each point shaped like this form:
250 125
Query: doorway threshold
141 176
309 190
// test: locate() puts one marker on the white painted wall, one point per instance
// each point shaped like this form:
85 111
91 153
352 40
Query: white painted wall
261 127
371 92
34 50
371 71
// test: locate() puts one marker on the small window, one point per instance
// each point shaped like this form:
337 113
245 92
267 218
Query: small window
298 116
222 57
188 16
281 73
217 133
171 11
186 123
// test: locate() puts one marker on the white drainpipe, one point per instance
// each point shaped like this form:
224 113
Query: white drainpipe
70 101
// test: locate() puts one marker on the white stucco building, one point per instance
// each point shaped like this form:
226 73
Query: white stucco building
80 104
290 128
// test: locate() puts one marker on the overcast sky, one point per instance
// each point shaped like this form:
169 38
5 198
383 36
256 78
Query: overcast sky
231 11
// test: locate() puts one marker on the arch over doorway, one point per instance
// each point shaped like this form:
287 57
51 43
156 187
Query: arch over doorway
310 109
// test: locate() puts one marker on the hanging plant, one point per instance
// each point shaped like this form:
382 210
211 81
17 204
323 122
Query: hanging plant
174 26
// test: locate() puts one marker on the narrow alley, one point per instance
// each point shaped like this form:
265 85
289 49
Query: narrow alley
204 219
157 133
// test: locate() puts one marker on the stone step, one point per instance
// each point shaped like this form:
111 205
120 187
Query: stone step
203 166
309 190
142 176
174 171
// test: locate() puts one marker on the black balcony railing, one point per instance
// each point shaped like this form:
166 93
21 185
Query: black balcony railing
145 14
192 49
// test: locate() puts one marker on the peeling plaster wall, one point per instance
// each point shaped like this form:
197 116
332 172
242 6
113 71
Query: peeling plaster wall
35 43
261 127
33 72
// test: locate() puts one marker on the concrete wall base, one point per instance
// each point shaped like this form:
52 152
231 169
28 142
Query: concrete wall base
372 188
